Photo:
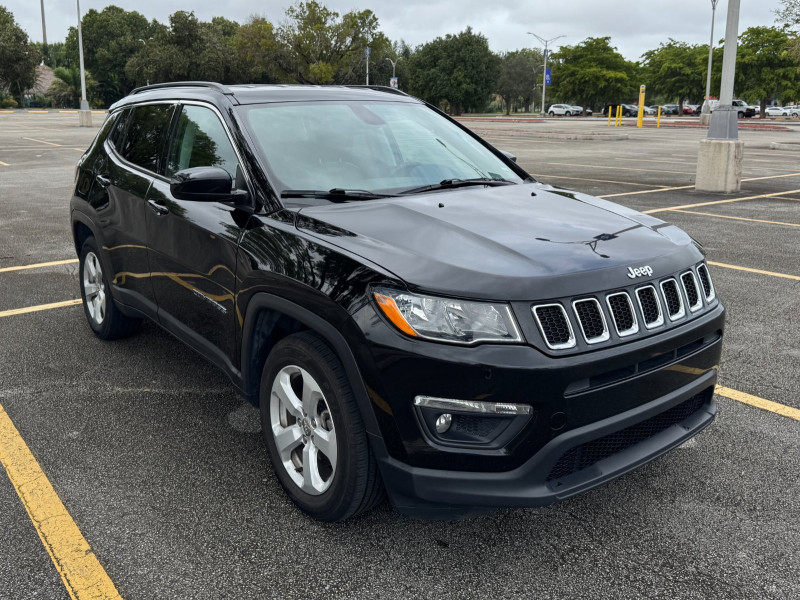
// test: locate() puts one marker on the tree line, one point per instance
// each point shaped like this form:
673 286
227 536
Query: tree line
316 45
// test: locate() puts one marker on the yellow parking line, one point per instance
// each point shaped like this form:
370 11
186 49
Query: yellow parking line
41 141
622 168
54 263
758 271
780 409
598 180
729 200
4 164
38 112
80 570
705 214
68 111
39 307
663 189
772 177
6 112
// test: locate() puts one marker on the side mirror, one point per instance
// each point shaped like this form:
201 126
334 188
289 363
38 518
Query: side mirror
203 184
508 155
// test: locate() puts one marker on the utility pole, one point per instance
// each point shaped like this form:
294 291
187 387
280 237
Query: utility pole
719 160
544 74
367 65
84 114
44 28
705 117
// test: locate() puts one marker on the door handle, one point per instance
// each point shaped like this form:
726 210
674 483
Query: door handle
103 181
159 209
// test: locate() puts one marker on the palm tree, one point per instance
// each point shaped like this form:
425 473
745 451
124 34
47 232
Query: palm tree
66 88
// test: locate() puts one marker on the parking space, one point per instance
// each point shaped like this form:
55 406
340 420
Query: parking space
161 467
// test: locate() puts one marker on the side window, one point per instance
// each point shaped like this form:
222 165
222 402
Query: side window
147 132
201 141
119 128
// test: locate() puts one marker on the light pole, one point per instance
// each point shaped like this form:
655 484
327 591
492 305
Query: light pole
394 64
44 28
707 102
544 73
84 115
719 160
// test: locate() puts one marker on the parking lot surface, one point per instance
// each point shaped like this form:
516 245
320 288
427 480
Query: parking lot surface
161 467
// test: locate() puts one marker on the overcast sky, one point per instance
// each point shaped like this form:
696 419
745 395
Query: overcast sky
634 25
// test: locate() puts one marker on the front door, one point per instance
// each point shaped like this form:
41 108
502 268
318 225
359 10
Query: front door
193 245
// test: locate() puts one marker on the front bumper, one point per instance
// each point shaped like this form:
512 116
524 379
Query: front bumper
434 493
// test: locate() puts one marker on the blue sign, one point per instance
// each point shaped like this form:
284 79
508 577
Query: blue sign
547 77
367 52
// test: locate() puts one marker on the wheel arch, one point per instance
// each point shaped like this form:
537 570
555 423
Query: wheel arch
269 318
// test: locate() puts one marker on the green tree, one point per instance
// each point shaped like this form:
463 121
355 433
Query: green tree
66 87
676 71
256 50
593 74
189 49
457 70
54 55
319 47
110 38
18 57
765 66
518 76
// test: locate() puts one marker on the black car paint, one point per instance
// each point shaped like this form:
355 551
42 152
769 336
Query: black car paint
230 280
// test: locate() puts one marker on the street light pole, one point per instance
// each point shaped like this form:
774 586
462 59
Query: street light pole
707 102
394 64
44 28
544 73
84 114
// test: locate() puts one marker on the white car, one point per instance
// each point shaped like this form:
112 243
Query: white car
793 110
561 109
777 111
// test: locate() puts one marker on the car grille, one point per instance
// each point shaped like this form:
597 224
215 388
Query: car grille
593 316
585 455
591 320
650 306
555 326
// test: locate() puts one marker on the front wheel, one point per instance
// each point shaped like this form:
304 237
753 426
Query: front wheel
552 114
105 319
314 433
740 114
567 114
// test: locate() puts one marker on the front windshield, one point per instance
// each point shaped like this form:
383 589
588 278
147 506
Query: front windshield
376 146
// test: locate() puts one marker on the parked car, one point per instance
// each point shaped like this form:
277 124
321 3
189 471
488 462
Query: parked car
669 109
744 110
794 110
410 309
579 110
651 110
561 109
777 111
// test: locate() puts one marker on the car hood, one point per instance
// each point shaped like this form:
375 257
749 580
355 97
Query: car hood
515 242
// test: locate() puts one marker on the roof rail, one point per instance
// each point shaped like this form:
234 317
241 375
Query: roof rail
379 88
206 84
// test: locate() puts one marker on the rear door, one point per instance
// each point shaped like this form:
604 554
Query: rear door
122 182
193 245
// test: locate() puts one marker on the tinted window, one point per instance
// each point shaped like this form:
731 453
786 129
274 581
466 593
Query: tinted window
119 128
200 141
146 134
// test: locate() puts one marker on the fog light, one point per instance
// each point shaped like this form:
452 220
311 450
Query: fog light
443 422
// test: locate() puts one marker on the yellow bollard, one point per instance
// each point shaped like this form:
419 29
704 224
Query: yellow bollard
619 116
609 115
640 116
658 121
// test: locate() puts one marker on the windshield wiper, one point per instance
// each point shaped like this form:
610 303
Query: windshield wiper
335 194
447 184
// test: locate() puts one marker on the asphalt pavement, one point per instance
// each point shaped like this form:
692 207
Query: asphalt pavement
161 465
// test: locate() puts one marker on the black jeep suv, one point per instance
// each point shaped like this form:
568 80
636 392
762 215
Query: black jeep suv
412 312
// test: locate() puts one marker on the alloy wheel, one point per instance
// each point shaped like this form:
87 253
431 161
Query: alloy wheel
94 290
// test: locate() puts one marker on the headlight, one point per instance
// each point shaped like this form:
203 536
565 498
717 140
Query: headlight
458 321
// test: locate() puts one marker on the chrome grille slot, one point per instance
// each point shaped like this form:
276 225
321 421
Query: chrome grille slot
622 312
555 326
689 284
673 299
591 319
650 306
705 281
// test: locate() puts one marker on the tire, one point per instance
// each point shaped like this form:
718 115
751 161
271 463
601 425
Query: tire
740 114
103 316
314 433
552 114
567 114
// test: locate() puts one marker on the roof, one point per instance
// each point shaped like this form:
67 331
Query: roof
259 94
